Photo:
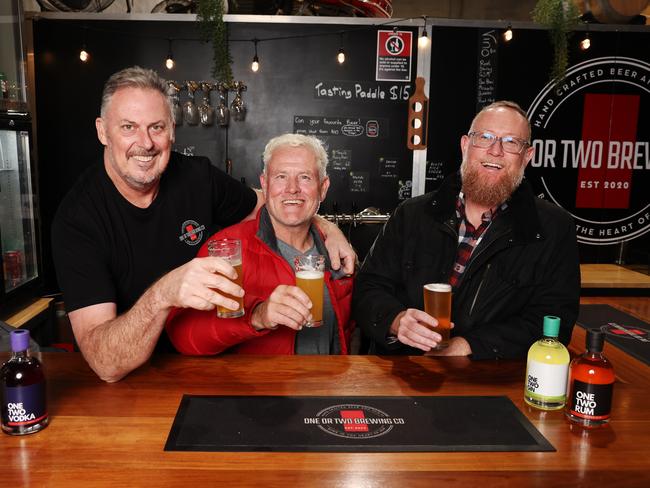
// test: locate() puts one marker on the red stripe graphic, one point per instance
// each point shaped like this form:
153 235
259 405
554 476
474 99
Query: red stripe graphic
613 120
350 425
28 422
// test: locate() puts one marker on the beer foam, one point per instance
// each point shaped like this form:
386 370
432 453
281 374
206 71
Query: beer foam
309 275
439 287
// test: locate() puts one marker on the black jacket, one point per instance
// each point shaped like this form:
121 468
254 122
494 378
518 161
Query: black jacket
525 267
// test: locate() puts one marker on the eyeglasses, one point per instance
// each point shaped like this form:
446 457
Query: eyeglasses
510 144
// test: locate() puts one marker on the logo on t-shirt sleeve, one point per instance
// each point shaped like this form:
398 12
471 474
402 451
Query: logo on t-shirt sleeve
191 232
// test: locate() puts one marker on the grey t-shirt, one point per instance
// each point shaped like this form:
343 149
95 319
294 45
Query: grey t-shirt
315 340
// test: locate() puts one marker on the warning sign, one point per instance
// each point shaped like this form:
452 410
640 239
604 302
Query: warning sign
394 55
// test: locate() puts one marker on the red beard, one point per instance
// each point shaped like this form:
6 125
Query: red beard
491 196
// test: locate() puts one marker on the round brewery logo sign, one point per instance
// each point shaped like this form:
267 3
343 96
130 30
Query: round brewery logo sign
591 134
354 421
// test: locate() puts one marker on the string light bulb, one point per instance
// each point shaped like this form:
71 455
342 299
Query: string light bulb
255 65
507 34
83 54
585 43
340 57
423 40
169 62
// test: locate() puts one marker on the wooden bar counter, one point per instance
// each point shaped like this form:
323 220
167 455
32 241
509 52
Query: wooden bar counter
114 434
607 276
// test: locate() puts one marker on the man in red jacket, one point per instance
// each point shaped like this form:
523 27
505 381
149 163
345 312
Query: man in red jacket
294 182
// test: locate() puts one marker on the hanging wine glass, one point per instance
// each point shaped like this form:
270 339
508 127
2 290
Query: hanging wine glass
237 106
223 114
190 110
173 92
206 112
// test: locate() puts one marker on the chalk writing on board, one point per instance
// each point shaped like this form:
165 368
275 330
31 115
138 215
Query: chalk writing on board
340 160
434 171
352 129
388 167
404 189
359 181
366 91
487 68
376 128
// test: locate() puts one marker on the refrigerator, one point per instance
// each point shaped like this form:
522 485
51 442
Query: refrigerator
19 250
20 255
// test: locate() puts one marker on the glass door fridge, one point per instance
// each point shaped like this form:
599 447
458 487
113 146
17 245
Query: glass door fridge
19 254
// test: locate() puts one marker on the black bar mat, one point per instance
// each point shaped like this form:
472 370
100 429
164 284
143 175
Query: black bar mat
362 424
621 330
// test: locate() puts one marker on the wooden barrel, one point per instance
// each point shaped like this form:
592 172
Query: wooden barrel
613 11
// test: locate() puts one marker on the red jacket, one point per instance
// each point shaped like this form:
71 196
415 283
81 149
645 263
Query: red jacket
200 332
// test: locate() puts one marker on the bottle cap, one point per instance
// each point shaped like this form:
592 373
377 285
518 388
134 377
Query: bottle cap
595 340
19 340
551 326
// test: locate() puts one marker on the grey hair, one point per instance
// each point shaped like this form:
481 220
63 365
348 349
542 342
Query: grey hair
509 105
134 77
298 140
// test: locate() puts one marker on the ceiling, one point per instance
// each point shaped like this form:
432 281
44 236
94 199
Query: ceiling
513 10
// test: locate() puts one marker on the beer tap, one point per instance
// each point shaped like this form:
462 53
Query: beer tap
354 214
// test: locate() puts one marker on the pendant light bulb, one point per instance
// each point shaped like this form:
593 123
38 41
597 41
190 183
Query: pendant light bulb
84 56
507 35
169 62
585 43
423 40
340 57
255 65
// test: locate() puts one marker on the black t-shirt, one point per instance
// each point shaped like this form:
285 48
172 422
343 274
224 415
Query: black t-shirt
108 250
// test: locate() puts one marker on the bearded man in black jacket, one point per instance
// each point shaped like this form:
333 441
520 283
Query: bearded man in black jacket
510 257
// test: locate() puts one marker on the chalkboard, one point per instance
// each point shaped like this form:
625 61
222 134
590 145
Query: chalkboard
301 88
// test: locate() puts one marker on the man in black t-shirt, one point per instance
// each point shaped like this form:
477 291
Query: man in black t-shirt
124 237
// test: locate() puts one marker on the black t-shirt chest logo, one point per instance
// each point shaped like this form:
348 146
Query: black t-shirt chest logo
191 232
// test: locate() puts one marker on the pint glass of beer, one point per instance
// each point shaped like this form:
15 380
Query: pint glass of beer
310 271
229 250
437 303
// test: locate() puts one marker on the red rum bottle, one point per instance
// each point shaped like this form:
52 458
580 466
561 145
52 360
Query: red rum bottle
22 384
591 384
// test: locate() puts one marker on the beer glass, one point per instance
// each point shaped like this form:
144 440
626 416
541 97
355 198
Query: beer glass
437 303
310 271
230 251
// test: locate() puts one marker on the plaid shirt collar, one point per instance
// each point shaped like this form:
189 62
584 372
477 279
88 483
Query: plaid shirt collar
486 218
469 237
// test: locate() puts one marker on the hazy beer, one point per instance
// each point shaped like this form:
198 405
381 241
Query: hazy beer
230 251
437 303
310 272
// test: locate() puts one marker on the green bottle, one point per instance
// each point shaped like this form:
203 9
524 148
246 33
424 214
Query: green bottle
547 369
